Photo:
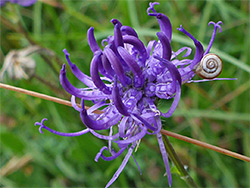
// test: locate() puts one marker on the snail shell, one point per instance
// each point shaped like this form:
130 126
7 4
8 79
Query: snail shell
210 66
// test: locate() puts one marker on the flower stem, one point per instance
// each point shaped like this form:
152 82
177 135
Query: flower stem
173 156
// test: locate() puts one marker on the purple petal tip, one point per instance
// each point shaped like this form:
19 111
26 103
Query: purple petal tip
65 52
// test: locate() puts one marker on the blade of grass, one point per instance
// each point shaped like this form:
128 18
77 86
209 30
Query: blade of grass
37 21
213 114
205 19
133 13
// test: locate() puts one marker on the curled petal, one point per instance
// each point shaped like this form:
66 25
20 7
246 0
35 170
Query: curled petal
96 106
88 95
175 102
151 8
114 156
107 66
143 121
150 47
176 83
216 26
199 48
91 40
188 52
157 123
150 103
111 118
42 126
73 102
95 75
130 61
79 74
118 101
172 69
163 20
117 66
166 48
118 35
208 80
116 22
103 137
133 138
138 45
129 31
123 126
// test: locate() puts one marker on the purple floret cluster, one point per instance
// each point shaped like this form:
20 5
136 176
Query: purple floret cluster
24 3
133 78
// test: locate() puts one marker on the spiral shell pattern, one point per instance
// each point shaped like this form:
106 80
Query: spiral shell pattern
210 66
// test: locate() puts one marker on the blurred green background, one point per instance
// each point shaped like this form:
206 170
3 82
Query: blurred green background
215 112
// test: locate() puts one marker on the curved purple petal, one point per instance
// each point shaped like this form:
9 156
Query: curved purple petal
128 30
208 80
166 48
107 66
91 40
216 26
122 126
114 156
79 74
116 22
118 101
95 75
42 126
175 54
104 137
199 48
143 121
175 102
117 66
75 106
118 35
150 47
110 118
163 20
133 138
130 61
88 95
138 44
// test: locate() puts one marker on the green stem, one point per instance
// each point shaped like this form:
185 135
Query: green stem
173 156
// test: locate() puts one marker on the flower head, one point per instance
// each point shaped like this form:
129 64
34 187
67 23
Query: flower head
133 77
24 3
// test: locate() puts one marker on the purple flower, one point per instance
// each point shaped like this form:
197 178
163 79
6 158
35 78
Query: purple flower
24 3
133 77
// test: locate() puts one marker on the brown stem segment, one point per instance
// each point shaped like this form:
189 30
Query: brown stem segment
205 145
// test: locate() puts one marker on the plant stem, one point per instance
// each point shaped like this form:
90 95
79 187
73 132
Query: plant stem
173 156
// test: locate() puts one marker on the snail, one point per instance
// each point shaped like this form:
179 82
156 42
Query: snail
209 67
